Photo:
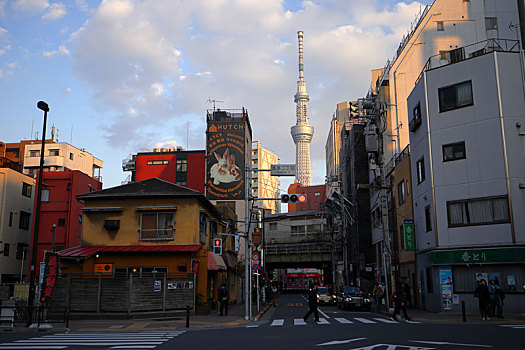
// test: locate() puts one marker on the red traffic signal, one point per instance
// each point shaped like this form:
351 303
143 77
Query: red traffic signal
217 246
293 198
301 198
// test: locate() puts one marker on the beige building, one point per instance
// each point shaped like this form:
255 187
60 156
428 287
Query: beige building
17 193
59 157
263 184
333 145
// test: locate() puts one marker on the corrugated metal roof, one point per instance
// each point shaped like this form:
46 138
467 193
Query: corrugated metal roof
85 251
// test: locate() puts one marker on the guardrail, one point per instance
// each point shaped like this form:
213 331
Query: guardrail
21 315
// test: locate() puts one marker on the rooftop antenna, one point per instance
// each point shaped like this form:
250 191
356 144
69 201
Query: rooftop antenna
53 133
188 134
213 101
32 124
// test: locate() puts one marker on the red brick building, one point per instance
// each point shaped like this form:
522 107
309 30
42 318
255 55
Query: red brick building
315 196
184 168
60 207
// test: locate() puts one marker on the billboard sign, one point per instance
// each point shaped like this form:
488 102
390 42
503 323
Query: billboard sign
225 163
283 170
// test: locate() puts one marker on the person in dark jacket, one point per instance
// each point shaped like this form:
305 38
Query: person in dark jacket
223 299
400 297
482 293
312 304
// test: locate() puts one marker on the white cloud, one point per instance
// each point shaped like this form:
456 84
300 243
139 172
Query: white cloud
81 4
30 6
3 33
56 10
13 65
62 49
156 63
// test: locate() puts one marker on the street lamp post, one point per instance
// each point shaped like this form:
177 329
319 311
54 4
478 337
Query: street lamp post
34 249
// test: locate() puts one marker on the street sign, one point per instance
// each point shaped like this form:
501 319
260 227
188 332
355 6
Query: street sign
409 236
255 267
283 170
255 257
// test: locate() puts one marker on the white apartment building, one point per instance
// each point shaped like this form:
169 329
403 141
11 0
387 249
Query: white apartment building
61 156
17 193
468 175
263 184
333 146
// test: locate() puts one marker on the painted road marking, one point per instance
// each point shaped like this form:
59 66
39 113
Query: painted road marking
278 322
252 326
447 343
323 321
385 320
322 313
342 320
337 342
298 322
364 320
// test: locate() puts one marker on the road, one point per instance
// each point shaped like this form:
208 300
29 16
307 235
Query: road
282 328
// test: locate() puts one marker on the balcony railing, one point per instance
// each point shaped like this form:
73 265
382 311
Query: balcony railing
8 163
157 235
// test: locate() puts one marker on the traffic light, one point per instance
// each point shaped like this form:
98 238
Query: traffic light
293 198
217 246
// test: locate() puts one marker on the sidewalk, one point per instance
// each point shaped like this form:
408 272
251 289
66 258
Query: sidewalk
427 316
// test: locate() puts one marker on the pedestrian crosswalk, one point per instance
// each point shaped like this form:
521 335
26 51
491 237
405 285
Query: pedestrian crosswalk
336 320
107 340
514 326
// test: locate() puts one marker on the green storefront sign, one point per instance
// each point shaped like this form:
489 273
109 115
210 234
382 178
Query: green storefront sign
477 256
408 234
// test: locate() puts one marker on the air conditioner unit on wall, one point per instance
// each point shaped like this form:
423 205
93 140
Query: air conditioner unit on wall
371 139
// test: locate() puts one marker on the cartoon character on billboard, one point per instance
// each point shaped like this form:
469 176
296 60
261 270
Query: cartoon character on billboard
225 169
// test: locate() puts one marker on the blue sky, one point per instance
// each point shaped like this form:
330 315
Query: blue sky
124 75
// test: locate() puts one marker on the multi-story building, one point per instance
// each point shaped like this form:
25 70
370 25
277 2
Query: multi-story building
59 157
175 165
468 180
15 150
17 192
333 146
263 184
60 224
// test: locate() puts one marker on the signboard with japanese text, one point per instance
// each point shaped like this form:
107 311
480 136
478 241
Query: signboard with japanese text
409 236
157 286
50 275
225 162
283 169
477 256
445 280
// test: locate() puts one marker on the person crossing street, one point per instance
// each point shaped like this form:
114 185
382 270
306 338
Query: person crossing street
312 304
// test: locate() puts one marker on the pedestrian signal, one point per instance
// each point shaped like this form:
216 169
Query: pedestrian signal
217 246
293 198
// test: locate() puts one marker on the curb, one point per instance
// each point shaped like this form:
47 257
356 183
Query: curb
262 312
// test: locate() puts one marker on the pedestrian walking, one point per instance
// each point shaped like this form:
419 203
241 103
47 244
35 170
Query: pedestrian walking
274 295
500 296
482 293
268 293
378 295
312 304
223 300
492 298
399 298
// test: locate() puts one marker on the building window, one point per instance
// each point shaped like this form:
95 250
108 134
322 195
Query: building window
71 156
157 162
157 226
61 222
54 152
6 249
491 23
455 96
203 226
407 187
454 151
45 195
27 190
11 219
420 166
25 219
317 194
401 192
416 118
273 226
181 183
182 165
443 55
298 229
34 153
21 251
428 219
440 26
479 211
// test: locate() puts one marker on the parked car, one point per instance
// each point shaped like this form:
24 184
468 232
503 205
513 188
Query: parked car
325 296
353 297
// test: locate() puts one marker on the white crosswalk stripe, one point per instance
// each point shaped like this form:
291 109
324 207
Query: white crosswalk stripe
111 340
342 320
323 321
514 326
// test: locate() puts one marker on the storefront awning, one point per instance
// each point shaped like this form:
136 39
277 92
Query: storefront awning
86 251
215 262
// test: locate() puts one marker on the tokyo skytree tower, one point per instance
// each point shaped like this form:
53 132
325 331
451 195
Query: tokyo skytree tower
302 132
